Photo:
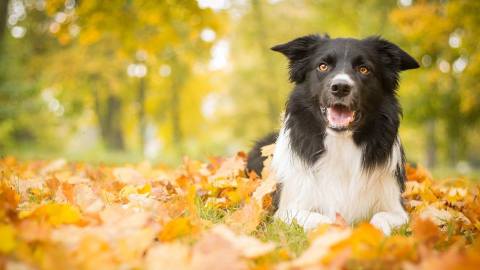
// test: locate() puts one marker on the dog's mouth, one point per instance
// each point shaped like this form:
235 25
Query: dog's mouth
340 117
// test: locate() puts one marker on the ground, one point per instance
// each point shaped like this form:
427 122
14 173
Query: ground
211 215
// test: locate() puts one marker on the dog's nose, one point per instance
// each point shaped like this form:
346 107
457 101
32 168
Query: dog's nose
341 88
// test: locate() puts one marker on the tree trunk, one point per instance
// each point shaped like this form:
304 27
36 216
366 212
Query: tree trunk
266 63
3 19
454 120
114 138
175 104
109 120
431 144
141 112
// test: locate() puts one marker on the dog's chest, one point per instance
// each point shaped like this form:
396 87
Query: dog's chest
336 183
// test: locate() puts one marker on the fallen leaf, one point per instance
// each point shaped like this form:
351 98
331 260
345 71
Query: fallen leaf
214 252
246 219
267 186
248 246
8 236
320 248
425 230
177 228
168 256
55 214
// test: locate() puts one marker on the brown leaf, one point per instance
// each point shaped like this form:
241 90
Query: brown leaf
340 221
246 219
267 186
214 252
177 228
168 256
320 248
425 231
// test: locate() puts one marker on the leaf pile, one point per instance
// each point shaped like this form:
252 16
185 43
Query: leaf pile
60 215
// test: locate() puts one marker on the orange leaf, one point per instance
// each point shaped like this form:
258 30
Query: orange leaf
176 228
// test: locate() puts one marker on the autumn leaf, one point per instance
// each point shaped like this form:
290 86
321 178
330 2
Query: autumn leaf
247 218
320 248
177 228
221 247
168 256
212 216
55 214
426 231
267 187
8 236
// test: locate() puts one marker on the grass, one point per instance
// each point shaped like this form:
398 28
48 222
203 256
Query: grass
212 214
403 230
290 238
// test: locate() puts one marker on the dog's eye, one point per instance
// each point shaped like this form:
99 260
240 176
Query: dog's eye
363 70
323 67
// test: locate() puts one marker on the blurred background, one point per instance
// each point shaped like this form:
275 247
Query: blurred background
129 80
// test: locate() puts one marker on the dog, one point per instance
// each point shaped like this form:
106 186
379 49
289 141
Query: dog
338 149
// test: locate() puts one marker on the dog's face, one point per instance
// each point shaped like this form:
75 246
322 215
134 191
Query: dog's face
346 79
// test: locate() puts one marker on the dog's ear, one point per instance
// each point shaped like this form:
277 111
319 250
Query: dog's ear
392 55
297 52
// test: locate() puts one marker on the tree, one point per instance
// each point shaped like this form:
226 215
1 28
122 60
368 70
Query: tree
3 19
157 32
445 35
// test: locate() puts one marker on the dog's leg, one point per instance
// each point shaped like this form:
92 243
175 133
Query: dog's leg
386 221
392 213
307 219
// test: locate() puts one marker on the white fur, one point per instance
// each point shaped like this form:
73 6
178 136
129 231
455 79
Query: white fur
343 77
336 183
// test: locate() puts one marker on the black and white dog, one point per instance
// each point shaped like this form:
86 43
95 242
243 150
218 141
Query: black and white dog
338 149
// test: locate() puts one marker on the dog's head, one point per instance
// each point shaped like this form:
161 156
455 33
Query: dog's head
347 79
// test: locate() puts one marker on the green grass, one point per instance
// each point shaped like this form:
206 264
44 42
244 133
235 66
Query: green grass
403 230
210 213
289 237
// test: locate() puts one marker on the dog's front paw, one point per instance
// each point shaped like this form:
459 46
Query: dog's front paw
307 219
380 222
386 221
314 220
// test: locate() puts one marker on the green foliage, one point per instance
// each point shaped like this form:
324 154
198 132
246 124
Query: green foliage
69 84
289 237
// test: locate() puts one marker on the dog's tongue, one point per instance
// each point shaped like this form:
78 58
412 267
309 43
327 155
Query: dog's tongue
339 116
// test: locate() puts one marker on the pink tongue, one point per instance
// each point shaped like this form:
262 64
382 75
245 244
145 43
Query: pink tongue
339 116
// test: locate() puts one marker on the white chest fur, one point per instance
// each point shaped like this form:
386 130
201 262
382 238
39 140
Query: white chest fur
336 183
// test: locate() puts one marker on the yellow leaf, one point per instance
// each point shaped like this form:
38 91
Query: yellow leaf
8 238
146 189
425 230
268 150
168 256
248 246
246 219
321 248
55 214
127 190
176 228
364 242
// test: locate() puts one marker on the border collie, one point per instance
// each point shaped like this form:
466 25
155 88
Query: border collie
338 149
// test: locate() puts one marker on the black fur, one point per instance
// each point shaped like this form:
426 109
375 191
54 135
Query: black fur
373 96
255 163
255 159
400 173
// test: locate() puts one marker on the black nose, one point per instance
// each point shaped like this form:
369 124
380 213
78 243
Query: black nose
340 89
